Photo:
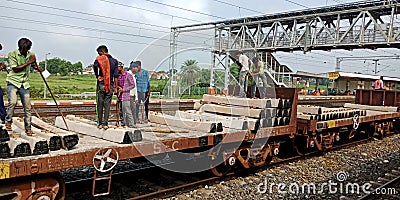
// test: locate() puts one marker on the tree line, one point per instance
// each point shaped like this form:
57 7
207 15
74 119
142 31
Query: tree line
62 67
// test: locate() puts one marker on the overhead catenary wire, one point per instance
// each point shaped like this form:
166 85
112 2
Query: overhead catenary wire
185 9
165 29
86 36
300 59
142 9
297 4
92 20
123 25
89 14
237 6
92 29
308 65
148 10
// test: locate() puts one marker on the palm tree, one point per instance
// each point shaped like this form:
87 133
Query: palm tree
190 72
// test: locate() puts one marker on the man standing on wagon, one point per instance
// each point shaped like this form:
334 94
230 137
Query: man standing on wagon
106 70
143 89
125 85
21 61
244 70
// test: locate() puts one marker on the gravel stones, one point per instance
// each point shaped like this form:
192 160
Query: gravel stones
358 165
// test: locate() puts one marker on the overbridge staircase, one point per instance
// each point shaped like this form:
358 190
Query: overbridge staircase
276 73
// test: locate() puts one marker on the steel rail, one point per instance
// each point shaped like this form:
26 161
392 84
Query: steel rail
188 186
384 186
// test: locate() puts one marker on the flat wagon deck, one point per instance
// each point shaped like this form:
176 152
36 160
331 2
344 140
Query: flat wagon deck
226 131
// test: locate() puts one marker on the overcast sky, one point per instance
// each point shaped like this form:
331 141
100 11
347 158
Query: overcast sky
139 29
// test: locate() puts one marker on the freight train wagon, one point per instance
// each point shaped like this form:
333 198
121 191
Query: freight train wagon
226 132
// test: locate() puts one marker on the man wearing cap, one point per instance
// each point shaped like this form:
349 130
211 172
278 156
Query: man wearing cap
125 85
143 89
106 70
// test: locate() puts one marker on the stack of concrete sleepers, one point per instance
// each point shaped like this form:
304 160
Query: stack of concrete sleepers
57 137
320 113
5 151
17 143
237 123
87 127
185 122
260 112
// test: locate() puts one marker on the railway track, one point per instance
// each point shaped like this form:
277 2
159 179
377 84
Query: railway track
166 192
385 187
89 107
50 110
163 183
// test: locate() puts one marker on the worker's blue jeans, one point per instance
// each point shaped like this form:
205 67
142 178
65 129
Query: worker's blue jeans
12 102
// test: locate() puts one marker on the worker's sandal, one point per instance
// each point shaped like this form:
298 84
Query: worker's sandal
8 126
29 132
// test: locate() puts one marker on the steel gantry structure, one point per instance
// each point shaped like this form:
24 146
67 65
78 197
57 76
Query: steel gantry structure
366 24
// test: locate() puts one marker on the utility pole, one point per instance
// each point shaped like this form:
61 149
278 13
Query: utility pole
376 65
45 68
373 58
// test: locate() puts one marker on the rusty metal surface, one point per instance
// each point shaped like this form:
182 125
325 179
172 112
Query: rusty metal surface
378 97
276 131
325 101
306 126
36 187
83 155
323 125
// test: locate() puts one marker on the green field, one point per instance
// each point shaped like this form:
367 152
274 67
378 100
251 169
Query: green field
75 84
58 84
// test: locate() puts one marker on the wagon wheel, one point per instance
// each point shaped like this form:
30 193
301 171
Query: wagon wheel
105 160
219 168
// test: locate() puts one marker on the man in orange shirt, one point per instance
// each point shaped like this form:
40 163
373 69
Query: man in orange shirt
106 70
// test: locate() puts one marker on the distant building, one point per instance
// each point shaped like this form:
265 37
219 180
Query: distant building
158 75
348 81
88 71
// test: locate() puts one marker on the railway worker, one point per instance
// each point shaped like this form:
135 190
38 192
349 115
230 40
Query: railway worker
3 112
21 61
106 70
378 84
244 70
257 72
125 85
143 89
133 93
